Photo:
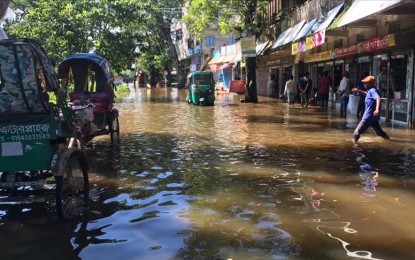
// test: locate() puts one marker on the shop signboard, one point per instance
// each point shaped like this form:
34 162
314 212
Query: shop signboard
327 55
346 51
377 43
248 47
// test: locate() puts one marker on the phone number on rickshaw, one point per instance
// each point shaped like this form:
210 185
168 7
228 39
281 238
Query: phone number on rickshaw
32 137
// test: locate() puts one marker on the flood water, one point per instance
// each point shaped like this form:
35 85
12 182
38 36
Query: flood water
232 181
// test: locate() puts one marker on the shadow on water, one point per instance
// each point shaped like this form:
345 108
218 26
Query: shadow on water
239 181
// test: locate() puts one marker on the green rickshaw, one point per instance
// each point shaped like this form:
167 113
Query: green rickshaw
201 88
40 152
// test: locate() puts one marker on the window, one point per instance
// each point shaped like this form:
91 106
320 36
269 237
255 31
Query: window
231 40
179 35
338 43
210 41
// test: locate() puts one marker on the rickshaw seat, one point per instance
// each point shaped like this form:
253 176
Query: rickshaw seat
75 96
101 100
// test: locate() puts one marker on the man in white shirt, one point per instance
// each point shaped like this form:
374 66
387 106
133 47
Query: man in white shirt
344 92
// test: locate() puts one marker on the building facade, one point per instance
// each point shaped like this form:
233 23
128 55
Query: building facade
336 36
194 54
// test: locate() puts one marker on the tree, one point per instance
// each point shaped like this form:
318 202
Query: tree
232 16
121 31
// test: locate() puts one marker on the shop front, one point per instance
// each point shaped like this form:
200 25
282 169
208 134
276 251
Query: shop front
394 81
272 73
391 64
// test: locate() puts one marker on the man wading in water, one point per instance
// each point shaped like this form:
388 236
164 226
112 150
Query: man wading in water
371 115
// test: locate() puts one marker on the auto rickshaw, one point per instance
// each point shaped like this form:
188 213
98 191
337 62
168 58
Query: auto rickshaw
201 88
36 127
91 94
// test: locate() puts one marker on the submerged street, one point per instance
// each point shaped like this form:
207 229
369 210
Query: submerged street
231 181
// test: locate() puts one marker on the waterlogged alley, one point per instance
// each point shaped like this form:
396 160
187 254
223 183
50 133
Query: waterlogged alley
232 181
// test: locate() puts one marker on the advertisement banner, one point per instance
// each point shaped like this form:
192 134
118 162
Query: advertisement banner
309 41
302 46
319 38
294 48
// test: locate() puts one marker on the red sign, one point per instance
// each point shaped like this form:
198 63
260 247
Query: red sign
376 43
237 86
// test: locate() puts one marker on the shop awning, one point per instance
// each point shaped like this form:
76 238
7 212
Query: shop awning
228 58
288 35
238 57
217 60
281 38
323 22
304 31
294 32
261 47
361 9
224 66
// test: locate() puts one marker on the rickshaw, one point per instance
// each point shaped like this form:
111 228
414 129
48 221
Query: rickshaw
36 126
92 95
201 86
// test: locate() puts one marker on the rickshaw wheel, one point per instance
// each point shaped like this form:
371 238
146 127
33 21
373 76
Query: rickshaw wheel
115 130
72 189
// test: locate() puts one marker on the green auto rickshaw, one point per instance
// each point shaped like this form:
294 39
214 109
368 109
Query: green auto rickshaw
201 88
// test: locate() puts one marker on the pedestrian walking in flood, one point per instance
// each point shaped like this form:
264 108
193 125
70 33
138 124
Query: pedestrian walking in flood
344 92
299 83
304 87
290 90
371 115
324 89
361 104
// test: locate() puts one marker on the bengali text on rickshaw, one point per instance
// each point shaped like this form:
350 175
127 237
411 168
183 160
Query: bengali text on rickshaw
25 133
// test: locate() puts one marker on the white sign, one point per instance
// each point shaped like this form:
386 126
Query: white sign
192 67
11 149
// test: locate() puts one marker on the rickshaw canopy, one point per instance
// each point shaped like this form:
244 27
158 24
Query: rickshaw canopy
27 74
81 65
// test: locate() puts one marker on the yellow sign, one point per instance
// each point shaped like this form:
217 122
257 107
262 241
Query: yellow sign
318 57
309 42
294 48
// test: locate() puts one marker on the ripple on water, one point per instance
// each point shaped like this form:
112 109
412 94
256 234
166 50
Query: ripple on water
164 175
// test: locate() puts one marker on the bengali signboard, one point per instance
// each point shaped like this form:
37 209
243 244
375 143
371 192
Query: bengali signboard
327 55
345 51
371 45
376 43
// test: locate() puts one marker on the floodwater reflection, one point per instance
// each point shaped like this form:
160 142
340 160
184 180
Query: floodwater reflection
232 181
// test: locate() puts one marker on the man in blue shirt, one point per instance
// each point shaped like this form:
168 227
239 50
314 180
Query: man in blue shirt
362 96
371 115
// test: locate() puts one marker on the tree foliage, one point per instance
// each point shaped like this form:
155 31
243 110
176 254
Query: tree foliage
122 31
232 16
